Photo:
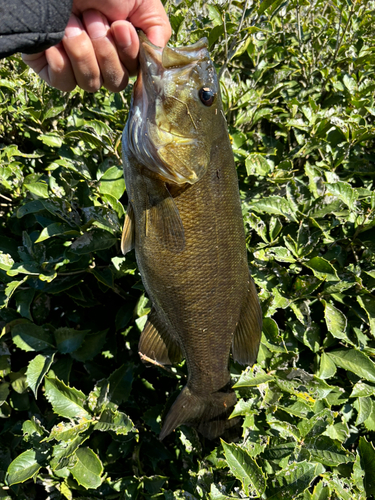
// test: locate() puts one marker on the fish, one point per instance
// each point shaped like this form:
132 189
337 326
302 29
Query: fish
184 221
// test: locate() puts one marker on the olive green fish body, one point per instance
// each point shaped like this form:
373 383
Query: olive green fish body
190 247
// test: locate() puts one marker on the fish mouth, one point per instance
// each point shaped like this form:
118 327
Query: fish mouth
168 57
154 136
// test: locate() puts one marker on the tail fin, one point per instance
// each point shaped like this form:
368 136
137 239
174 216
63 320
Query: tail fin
209 414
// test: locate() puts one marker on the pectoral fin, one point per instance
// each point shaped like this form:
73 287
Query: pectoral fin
156 342
163 220
246 339
128 232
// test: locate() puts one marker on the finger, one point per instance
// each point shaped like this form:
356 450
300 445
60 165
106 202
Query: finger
114 74
35 61
127 44
53 66
81 53
151 17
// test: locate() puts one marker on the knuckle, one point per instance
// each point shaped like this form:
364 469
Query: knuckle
91 85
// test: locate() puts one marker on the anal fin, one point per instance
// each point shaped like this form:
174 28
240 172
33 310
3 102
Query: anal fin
156 342
246 339
128 232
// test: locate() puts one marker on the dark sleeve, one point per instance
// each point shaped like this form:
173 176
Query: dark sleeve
31 26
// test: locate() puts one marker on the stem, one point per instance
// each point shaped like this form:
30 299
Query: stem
6 198
233 47
338 44
298 25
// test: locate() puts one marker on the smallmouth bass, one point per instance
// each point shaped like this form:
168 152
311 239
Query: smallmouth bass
185 222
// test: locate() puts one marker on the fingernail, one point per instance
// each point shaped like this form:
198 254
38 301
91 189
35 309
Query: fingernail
122 35
97 30
74 27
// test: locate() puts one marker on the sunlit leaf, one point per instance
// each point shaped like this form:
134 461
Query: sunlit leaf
37 369
25 466
88 468
66 401
354 361
245 468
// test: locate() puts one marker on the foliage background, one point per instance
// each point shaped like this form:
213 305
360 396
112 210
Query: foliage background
80 413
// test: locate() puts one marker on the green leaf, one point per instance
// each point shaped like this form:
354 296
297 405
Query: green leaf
86 137
66 401
120 383
215 494
93 241
364 409
30 208
344 192
40 189
322 449
264 6
362 390
275 205
257 164
33 431
294 479
67 431
369 423
66 492
316 425
340 486
214 14
10 289
327 367
367 454
358 474
68 339
280 254
279 451
56 229
115 421
245 468
322 269
350 83
91 347
338 432
4 392
63 451
30 337
368 304
88 468
112 182
25 466
250 379
354 361
335 320
52 140
37 369
6 261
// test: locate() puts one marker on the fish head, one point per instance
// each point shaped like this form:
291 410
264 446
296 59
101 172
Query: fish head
175 111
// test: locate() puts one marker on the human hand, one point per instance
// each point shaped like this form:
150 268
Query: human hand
100 45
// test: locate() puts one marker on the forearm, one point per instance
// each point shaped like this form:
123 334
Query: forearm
32 26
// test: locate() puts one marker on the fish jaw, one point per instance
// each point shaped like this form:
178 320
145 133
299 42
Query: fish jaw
165 130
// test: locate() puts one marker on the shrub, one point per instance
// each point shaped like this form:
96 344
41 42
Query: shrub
80 412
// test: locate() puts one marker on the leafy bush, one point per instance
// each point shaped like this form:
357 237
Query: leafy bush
80 412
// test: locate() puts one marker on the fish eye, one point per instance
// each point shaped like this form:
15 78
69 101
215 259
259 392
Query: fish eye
207 96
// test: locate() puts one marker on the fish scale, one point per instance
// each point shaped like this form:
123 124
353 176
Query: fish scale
185 222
